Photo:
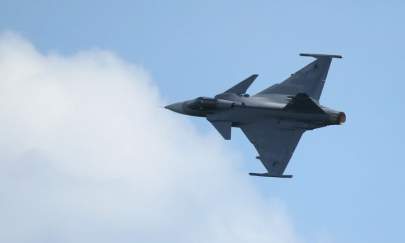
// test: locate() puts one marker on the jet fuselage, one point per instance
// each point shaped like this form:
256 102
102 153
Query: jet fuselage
242 109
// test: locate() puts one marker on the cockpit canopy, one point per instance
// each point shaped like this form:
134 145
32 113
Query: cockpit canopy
203 103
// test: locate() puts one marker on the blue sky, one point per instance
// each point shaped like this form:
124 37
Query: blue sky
348 179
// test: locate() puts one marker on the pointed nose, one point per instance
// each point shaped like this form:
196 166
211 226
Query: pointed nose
176 107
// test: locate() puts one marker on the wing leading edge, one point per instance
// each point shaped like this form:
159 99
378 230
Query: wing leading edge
309 80
275 145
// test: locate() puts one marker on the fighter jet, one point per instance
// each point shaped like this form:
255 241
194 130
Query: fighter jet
273 119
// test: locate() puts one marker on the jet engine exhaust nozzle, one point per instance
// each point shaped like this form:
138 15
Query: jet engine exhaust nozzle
341 118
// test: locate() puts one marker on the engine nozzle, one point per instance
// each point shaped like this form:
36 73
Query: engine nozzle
341 118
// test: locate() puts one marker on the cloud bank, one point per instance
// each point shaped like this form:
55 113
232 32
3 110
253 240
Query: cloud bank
88 155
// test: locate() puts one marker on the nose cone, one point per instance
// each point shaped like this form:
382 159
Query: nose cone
176 107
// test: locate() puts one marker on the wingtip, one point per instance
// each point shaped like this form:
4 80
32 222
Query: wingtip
320 55
269 175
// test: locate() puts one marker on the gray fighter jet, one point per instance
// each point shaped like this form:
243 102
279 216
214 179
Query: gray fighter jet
273 119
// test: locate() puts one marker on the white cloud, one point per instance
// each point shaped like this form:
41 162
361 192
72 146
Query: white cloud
88 155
